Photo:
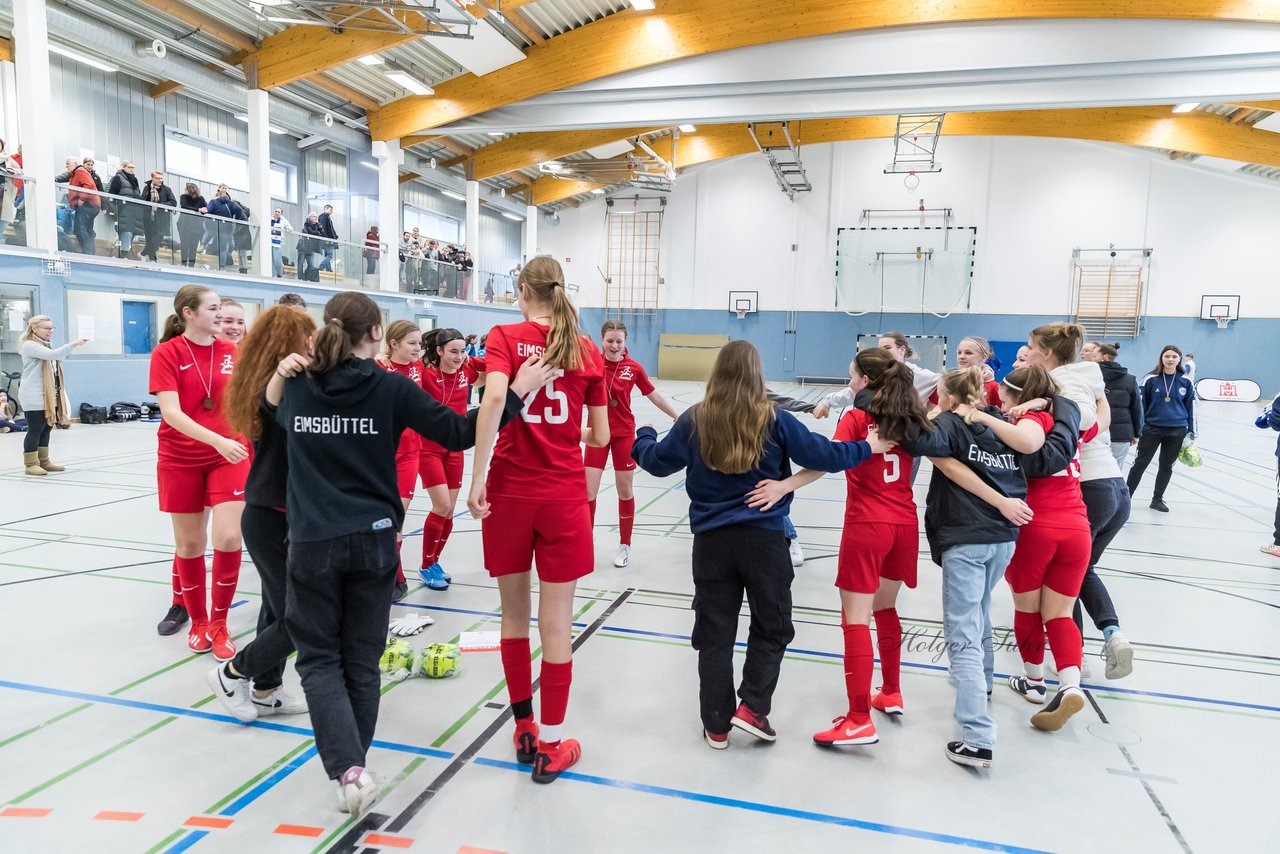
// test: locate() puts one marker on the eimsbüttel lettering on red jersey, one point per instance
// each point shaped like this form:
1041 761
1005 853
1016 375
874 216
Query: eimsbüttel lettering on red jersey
529 350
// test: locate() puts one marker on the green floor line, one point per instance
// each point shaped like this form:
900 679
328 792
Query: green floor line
677 526
92 760
40 726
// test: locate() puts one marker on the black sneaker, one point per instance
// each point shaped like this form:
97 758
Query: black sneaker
173 621
1158 504
755 724
402 590
962 754
1064 704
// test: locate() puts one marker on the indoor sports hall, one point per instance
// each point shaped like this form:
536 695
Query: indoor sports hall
637 263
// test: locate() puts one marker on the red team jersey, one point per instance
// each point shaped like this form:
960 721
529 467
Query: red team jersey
879 490
409 440
990 391
538 456
189 369
1056 500
620 378
452 390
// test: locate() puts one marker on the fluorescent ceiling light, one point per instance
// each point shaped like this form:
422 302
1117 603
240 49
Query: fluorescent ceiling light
513 216
451 194
273 128
499 134
373 166
413 85
688 128
642 5
1185 108
598 191
371 59
551 166
81 58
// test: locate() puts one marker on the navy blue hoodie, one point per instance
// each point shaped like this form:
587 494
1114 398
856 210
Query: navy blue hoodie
717 499
1179 411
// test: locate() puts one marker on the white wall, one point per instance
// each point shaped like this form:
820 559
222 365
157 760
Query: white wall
728 227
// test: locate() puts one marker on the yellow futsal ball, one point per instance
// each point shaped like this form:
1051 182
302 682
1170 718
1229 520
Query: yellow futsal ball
396 657
439 660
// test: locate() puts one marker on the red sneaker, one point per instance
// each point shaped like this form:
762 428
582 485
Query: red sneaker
847 731
526 740
224 648
748 721
890 704
552 759
198 638
714 741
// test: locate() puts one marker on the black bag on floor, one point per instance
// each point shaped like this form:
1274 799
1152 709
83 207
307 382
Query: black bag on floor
122 411
90 414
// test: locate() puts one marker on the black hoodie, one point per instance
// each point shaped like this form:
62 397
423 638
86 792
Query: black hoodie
343 427
1122 395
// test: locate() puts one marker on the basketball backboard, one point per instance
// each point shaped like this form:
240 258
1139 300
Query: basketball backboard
1220 307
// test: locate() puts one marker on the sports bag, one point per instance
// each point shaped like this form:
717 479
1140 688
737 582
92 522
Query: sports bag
122 411
90 414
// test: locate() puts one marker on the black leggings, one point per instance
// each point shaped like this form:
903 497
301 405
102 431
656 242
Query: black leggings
38 430
1166 440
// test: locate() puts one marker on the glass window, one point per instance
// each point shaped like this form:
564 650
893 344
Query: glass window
230 169
280 183
206 163
184 158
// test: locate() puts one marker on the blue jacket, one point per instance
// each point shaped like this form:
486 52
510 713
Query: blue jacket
717 499
1270 417
1178 412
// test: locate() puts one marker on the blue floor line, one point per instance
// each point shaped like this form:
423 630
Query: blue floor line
208 716
770 809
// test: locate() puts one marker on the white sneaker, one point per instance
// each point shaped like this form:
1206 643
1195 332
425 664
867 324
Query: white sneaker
358 791
280 702
1119 656
797 553
234 694
622 556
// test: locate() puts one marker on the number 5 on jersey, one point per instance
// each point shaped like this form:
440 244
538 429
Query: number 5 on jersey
555 397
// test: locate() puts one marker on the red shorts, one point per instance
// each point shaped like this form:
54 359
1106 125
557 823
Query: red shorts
1049 557
437 469
595 458
558 535
870 551
190 489
407 464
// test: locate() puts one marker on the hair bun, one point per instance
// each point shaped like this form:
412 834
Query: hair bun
337 321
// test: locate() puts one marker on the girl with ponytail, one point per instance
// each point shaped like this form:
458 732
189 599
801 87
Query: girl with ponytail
1057 347
343 416
879 545
448 377
532 502
401 356
202 467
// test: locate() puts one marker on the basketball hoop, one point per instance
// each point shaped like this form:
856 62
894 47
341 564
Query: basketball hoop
742 314
1222 320
911 181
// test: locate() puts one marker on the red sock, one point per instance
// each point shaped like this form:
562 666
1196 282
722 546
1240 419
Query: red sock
177 584
226 574
399 571
859 661
626 517
191 572
554 683
431 539
517 669
1028 631
1064 640
592 505
444 535
889 641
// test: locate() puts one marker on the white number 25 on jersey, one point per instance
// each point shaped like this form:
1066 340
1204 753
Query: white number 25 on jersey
555 398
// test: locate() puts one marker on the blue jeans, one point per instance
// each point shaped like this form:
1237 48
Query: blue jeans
969 574
327 263
277 262
84 217
788 529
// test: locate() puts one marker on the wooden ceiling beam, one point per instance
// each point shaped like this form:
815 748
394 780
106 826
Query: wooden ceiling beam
192 17
164 87
547 190
342 90
630 40
301 51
